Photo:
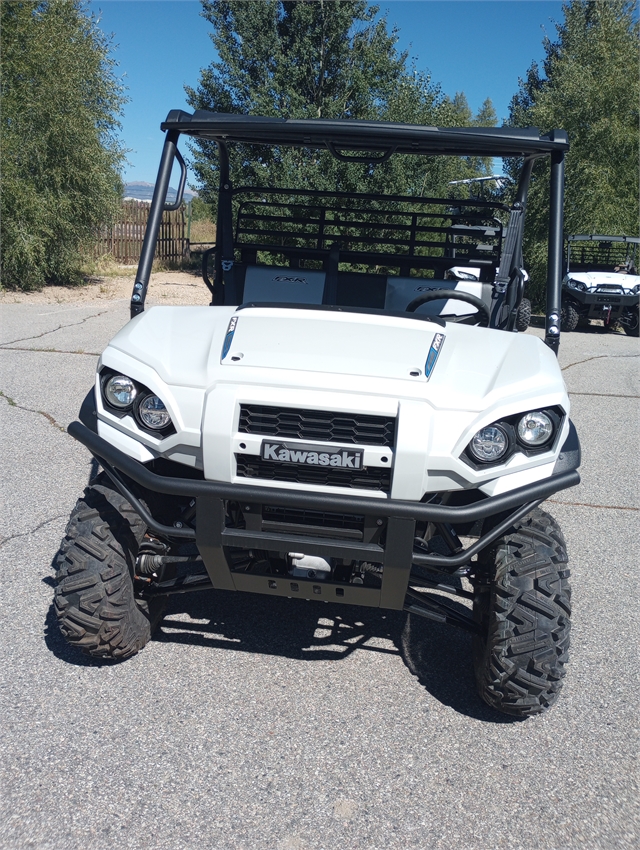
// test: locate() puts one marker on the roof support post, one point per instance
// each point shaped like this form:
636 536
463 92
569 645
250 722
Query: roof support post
554 257
522 191
224 233
153 223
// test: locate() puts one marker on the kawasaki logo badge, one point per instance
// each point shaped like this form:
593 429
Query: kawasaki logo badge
312 455
434 353
281 279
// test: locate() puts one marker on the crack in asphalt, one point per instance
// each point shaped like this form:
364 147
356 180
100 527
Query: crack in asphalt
589 505
8 347
606 395
599 357
32 530
12 403
60 327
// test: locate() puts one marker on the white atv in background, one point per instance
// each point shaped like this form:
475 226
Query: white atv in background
331 428
602 282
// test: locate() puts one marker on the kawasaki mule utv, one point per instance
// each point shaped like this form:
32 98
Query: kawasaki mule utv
346 422
601 282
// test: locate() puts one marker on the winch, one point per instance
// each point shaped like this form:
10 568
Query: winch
309 566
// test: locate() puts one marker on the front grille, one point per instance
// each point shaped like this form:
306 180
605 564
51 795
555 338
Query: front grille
610 287
319 426
297 516
299 521
369 478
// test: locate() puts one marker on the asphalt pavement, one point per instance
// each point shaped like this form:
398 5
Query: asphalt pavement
268 724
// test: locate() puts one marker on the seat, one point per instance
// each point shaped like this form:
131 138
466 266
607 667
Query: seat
401 291
287 285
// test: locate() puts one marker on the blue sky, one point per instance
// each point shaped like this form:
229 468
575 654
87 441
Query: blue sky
480 47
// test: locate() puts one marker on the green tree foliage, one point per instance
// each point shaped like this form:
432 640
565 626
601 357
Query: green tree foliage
456 112
460 114
589 87
318 60
199 210
61 159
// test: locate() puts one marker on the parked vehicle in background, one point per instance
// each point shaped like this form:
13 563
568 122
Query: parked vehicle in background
601 282
338 426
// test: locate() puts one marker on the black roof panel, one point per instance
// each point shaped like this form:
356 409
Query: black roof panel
375 136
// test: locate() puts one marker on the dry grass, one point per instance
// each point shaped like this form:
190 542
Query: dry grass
203 231
105 267
165 287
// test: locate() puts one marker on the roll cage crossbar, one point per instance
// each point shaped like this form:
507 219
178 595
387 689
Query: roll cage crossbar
421 242
595 252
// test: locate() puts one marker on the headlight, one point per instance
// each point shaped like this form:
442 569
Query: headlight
530 434
535 429
489 444
577 284
153 413
120 391
636 289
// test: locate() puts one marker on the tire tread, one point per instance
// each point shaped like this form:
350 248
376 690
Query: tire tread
521 663
523 316
569 317
94 599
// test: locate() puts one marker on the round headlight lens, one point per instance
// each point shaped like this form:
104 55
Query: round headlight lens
153 413
120 391
535 429
489 444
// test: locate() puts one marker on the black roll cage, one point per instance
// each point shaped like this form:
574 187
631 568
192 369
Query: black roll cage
599 252
371 142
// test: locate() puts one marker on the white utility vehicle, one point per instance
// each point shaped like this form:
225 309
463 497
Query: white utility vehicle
601 282
331 428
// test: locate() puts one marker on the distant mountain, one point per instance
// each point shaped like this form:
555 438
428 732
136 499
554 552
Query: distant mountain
144 192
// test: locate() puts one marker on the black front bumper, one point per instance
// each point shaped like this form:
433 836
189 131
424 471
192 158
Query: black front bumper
397 556
594 304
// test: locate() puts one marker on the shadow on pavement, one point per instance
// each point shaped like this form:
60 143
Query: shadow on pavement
439 656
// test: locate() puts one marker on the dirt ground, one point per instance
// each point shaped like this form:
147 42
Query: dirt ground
174 287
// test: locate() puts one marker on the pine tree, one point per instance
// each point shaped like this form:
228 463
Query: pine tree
588 86
317 59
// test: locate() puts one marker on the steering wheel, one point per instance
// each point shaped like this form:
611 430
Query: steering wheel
481 318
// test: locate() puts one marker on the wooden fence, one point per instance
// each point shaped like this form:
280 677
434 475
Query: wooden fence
123 240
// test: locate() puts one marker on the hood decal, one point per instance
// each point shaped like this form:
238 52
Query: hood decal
434 353
228 339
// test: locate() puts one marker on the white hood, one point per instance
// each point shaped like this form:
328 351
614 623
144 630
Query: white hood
336 361
593 279
361 352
